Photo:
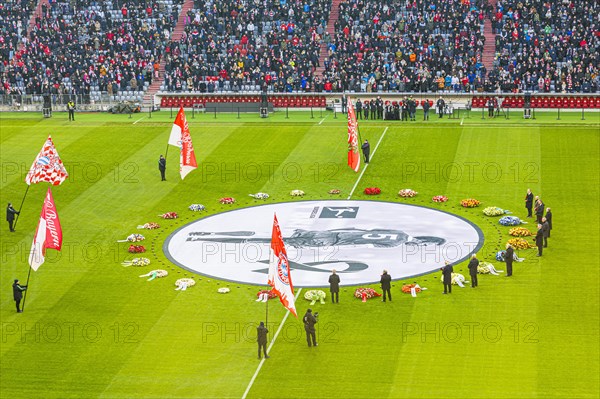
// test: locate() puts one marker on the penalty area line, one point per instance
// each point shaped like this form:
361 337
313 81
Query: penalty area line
268 350
139 120
367 165
323 120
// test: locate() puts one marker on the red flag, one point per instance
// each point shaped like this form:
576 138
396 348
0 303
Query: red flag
48 233
180 136
279 270
353 154
47 166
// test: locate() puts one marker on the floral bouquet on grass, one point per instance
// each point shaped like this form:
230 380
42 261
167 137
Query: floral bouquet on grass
520 232
197 207
470 203
457 279
223 290
227 200
183 283
265 295
135 238
136 262
487 268
494 211
136 249
297 193
510 221
149 226
520 243
365 293
155 274
169 215
407 193
334 191
372 191
314 296
261 196
407 288
501 257
440 198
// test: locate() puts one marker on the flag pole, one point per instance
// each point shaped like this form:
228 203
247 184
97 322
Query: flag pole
21 206
26 284
267 313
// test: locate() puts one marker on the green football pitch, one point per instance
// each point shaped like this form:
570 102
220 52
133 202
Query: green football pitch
93 328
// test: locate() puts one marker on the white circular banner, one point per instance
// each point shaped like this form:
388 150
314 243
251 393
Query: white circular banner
357 238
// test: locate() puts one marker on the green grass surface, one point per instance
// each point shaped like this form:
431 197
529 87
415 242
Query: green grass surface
92 328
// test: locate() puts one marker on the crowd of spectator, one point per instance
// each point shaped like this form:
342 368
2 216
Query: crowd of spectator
232 45
547 46
399 45
84 48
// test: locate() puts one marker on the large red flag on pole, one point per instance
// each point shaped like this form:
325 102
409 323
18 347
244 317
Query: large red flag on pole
180 137
353 150
279 270
47 166
48 233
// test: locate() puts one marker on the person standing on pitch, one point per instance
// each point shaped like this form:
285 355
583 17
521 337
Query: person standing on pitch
440 106
549 219
447 278
539 210
539 239
18 293
162 166
529 202
10 216
71 109
426 107
473 263
366 149
386 285
545 231
309 326
334 287
261 338
508 258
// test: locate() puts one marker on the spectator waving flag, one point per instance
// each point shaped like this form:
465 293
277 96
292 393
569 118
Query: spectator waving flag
279 270
48 233
180 136
353 154
47 166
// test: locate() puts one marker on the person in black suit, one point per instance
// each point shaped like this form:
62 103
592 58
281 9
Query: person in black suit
261 338
447 277
426 107
309 326
473 263
358 109
440 106
412 109
366 149
539 239
539 210
18 293
379 108
529 202
10 216
366 108
162 166
334 287
344 104
386 285
545 231
508 258
549 219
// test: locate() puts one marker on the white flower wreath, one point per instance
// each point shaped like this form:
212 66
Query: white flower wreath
136 262
183 283
197 207
297 193
259 195
223 290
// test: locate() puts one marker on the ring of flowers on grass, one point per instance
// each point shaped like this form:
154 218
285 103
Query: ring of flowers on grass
297 193
334 191
510 221
470 203
189 282
169 215
484 267
520 232
370 293
135 238
314 296
372 191
197 207
439 198
137 262
223 290
520 243
407 287
261 196
227 200
493 211
407 193
136 249
149 226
